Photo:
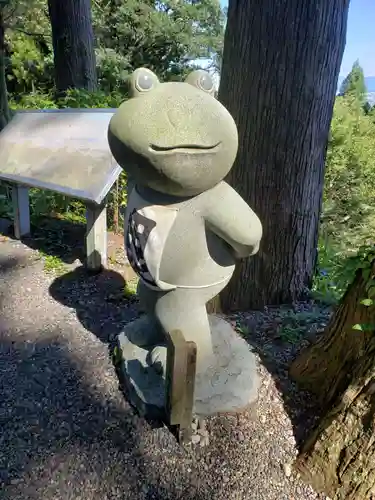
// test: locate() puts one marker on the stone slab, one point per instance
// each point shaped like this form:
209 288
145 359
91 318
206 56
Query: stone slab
229 386
65 151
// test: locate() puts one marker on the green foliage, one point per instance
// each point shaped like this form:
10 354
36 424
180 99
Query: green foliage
29 46
330 280
164 36
34 100
349 209
27 68
112 70
348 217
52 263
79 98
354 84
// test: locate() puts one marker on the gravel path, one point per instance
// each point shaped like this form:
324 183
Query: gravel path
66 431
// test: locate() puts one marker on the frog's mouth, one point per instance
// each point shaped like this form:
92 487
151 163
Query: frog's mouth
184 148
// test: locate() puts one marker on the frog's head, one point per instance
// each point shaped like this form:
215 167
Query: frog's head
175 138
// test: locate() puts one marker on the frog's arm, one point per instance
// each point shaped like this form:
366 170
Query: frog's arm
230 217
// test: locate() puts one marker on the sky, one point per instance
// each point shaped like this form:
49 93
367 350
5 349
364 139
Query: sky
360 38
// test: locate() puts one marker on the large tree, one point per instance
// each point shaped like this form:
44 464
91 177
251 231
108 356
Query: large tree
279 78
73 44
338 457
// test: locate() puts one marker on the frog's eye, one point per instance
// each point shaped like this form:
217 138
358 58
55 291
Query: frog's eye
142 80
202 80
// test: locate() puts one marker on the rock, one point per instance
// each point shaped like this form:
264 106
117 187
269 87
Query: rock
240 436
287 470
194 425
195 438
204 441
14 482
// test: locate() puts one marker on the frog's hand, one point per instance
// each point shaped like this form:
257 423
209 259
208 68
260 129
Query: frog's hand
231 218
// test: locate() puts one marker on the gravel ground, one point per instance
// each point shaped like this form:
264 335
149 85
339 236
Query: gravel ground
66 431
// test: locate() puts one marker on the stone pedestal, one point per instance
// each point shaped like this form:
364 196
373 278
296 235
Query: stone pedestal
230 385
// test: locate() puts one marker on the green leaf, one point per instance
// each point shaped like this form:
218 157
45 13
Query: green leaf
357 327
367 302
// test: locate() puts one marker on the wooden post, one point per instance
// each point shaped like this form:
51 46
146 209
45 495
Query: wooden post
96 236
21 210
180 383
185 429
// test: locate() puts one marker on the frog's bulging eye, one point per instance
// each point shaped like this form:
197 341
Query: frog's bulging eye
205 82
202 80
142 80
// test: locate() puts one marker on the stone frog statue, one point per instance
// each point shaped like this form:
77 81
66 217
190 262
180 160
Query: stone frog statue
185 226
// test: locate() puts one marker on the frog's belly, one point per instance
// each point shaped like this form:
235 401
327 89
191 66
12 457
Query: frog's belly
201 260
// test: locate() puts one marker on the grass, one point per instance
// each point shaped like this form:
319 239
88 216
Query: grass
130 289
52 264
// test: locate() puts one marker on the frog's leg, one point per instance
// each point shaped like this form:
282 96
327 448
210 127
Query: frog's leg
185 310
145 331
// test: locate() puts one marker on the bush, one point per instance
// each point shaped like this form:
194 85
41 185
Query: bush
27 68
348 217
34 100
78 98
348 207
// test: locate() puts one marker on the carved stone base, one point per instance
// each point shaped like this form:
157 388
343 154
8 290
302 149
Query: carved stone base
230 385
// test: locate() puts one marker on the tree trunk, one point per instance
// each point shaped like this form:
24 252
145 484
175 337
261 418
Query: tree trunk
339 456
279 77
325 368
73 44
214 305
5 113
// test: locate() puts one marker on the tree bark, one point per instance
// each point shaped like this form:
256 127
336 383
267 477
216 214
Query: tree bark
279 77
214 305
73 44
338 458
325 368
5 113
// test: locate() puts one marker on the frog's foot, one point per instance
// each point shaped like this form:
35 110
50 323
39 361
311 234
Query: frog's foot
157 359
144 332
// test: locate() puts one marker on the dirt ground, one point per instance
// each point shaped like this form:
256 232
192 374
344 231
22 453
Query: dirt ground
66 430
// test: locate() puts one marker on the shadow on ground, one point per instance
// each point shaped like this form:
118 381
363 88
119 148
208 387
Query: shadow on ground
63 436
103 309
98 299
56 237
262 332
60 440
